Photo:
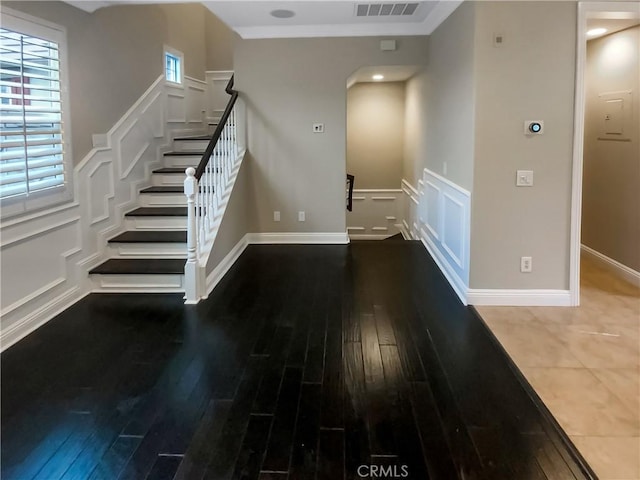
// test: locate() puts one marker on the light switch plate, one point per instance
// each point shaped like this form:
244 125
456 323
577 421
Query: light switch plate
524 178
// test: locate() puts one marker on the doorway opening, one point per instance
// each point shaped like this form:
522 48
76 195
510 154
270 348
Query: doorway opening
375 150
605 259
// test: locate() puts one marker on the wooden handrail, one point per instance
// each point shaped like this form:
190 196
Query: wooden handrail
206 156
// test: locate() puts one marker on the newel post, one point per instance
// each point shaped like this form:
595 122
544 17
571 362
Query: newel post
191 267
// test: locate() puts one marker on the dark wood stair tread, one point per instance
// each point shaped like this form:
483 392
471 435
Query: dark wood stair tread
183 154
158 212
151 236
200 138
164 189
171 170
141 266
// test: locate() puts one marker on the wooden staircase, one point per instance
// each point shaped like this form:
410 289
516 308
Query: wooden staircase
150 255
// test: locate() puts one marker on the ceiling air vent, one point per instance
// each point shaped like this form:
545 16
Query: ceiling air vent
385 9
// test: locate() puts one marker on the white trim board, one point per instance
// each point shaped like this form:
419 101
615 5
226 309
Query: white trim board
225 264
519 298
330 238
454 280
20 329
365 236
618 269
586 10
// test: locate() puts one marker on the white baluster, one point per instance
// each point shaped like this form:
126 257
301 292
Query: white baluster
191 267
212 183
203 206
205 203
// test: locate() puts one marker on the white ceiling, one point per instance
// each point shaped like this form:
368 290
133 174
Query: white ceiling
322 18
396 73
313 18
612 25
91 6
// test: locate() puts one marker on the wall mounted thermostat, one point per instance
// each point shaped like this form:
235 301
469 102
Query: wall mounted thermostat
533 127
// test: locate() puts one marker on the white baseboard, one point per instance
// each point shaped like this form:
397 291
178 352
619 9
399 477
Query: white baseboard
225 264
23 327
338 238
519 298
621 271
454 280
366 236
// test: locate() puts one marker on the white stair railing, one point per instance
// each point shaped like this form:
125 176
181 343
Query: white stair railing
205 188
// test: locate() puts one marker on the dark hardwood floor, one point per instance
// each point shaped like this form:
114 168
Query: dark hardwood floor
306 362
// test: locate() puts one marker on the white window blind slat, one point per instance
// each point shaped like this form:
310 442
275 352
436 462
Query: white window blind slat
32 131
21 142
18 165
31 98
31 144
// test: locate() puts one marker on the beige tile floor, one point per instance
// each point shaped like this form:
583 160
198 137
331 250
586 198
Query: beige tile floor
584 363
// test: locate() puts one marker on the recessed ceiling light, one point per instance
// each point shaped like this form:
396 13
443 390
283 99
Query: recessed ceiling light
283 13
378 77
596 31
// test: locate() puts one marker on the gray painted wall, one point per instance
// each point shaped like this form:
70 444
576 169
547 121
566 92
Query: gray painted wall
415 128
611 182
531 77
468 109
375 134
289 84
115 54
450 98
238 218
219 43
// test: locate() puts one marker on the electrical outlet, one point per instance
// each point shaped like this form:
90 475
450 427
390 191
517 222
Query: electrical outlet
276 216
526 264
301 216
318 128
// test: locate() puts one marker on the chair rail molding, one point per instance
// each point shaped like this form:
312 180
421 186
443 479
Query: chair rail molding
216 99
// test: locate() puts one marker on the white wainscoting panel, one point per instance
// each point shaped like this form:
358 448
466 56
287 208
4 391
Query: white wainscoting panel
195 100
176 106
217 98
410 204
46 255
376 214
438 213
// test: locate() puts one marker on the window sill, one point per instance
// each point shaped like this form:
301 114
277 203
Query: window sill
19 209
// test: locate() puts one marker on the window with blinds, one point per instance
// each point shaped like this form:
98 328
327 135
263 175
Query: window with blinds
31 143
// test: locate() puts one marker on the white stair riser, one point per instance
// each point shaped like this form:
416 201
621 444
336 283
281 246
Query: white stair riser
138 283
168 179
162 199
138 250
190 145
155 223
182 160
